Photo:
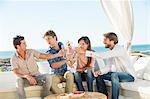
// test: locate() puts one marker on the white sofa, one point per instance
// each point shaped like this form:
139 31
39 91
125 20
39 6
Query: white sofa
140 89
8 88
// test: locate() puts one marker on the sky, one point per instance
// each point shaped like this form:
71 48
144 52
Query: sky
68 19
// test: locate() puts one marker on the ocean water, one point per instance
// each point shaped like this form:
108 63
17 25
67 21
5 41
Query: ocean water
9 54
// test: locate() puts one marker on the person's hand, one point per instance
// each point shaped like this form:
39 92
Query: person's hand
97 73
68 61
69 57
31 80
78 50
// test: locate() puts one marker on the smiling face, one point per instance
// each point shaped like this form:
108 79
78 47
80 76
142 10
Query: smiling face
107 42
22 45
110 40
50 40
83 45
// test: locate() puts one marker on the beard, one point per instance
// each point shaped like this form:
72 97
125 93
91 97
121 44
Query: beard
107 45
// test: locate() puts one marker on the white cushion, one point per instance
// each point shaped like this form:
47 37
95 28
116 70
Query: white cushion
7 87
134 59
34 98
140 65
33 88
44 66
141 86
146 75
6 77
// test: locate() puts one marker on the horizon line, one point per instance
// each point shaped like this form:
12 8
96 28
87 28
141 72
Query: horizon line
92 47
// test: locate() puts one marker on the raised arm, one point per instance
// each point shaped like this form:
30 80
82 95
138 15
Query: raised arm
108 54
48 56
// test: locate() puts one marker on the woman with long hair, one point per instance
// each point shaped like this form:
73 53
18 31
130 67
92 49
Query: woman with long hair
84 65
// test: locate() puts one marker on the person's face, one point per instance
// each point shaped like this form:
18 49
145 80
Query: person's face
83 45
22 46
107 42
50 40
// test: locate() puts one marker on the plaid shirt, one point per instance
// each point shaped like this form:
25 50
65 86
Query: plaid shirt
61 70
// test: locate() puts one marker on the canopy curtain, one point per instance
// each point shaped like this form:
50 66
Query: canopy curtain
119 13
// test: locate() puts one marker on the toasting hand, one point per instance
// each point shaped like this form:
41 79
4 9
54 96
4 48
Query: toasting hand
78 50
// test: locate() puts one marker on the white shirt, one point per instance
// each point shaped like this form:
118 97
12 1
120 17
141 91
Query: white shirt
118 59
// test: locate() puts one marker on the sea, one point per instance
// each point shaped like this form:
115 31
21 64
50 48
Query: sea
134 48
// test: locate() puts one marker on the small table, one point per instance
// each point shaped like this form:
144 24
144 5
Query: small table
87 95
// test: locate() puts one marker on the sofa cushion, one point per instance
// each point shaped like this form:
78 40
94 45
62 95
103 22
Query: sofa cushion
134 59
7 77
140 65
43 66
141 86
33 88
63 85
146 75
7 87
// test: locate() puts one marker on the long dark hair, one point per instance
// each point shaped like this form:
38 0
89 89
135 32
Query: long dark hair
88 42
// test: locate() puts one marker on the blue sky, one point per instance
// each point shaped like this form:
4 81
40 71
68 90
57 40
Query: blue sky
69 19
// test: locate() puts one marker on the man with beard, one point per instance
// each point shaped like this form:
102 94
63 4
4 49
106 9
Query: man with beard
118 66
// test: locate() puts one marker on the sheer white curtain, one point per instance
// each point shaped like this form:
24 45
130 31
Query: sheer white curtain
119 13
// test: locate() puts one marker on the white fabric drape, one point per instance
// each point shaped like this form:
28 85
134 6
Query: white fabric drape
119 12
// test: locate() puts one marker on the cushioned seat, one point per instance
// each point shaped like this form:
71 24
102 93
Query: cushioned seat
7 87
139 85
33 91
140 89
33 88
9 91
142 86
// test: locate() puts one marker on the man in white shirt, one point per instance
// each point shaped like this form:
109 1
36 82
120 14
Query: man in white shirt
118 67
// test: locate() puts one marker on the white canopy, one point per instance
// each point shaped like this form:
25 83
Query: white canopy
119 12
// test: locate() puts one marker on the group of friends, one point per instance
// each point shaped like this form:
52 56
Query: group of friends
73 65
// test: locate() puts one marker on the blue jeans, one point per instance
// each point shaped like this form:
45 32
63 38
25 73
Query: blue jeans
115 78
88 76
